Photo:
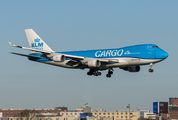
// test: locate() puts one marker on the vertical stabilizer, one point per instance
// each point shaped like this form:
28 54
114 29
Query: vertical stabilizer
35 41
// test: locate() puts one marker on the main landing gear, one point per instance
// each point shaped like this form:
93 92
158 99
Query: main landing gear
110 72
151 67
93 72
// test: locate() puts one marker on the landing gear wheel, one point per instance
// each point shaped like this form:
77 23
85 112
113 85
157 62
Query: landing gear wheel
88 73
99 73
108 75
94 71
95 74
110 72
151 70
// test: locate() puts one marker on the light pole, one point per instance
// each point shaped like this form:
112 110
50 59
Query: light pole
129 110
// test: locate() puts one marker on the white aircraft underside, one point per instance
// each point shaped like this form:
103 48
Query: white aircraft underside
123 62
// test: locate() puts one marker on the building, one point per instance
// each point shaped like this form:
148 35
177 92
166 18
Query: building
142 113
79 114
62 115
62 108
97 118
173 108
150 116
147 114
3 118
38 116
117 115
11 112
70 115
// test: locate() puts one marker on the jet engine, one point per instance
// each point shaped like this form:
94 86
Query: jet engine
132 68
59 58
94 63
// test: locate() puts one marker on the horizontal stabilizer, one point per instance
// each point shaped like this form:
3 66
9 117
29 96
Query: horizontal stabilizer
14 45
27 55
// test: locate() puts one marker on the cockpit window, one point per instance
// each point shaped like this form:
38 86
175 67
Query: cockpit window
155 46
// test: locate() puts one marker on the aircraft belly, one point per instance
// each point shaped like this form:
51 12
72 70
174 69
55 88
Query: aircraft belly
148 61
122 62
133 62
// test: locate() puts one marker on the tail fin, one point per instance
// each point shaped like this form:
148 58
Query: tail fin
35 41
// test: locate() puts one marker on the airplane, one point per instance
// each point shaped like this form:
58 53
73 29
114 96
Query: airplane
128 58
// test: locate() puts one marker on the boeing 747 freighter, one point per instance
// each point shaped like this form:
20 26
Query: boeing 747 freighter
128 58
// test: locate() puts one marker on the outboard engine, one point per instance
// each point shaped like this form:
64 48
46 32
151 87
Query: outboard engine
59 58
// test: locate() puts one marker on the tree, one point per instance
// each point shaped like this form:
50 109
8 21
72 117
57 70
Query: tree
30 115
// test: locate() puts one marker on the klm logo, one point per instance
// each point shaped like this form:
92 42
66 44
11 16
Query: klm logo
37 45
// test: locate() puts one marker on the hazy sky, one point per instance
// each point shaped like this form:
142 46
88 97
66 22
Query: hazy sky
81 24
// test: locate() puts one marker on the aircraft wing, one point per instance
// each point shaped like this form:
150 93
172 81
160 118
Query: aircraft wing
27 55
82 63
109 60
75 58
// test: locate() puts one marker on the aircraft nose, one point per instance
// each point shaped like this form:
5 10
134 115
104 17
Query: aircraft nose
165 54
161 54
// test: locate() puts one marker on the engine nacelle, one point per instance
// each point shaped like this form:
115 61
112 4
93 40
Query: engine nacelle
132 68
94 63
59 58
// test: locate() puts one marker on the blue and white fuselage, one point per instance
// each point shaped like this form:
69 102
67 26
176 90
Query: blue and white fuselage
131 55
128 58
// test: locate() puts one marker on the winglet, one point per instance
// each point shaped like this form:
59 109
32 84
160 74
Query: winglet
14 45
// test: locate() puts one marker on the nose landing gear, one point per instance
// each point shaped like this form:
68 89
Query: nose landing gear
151 67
